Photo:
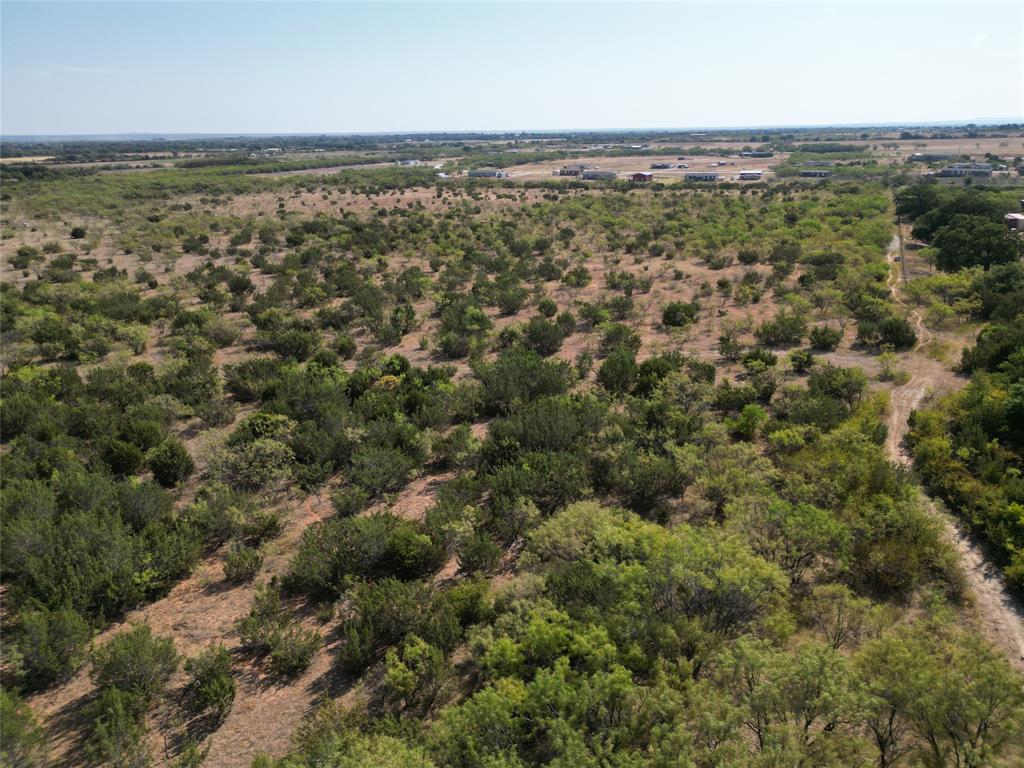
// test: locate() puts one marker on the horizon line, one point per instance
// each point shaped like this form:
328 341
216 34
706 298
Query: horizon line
958 123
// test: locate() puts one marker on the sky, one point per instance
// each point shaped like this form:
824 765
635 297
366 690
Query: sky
290 67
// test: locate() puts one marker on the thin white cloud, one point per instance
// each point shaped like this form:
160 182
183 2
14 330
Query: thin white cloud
979 39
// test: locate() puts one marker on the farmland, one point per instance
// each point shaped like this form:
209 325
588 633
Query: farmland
312 458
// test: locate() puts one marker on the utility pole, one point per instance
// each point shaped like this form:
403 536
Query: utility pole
903 256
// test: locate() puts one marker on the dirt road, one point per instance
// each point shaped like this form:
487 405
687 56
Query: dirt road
997 615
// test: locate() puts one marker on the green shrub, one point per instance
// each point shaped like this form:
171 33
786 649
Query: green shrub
825 338
676 314
414 675
135 662
254 465
123 458
51 644
118 730
547 307
616 335
350 500
170 462
294 650
269 631
380 470
479 553
542 336
211 684
23 743
802 360
242 563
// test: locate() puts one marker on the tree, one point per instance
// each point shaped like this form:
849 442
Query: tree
618 371
170 462
749 422
845 384
968 241
543 336
948 687
254 465
520 375
414 675
802 360
118 730
836 612
23 743
825 338
676 314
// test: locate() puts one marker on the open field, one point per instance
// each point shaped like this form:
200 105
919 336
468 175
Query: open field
728 167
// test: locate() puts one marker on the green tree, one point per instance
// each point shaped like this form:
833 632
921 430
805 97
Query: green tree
23 743
968 241
957 695
543 336
618 371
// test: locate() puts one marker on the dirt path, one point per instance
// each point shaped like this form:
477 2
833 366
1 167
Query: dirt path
997 615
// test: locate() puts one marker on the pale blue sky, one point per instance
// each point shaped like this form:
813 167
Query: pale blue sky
90 67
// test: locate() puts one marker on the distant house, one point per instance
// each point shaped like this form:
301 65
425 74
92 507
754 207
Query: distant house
409 162
598 175
571 170
488 173
698 176
1015 221
642 176
751 175
442 175
959 170
660 166
816 174
758 153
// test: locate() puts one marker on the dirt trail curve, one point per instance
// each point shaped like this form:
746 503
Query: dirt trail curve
998 616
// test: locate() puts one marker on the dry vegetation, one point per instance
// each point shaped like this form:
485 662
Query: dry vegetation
594 440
